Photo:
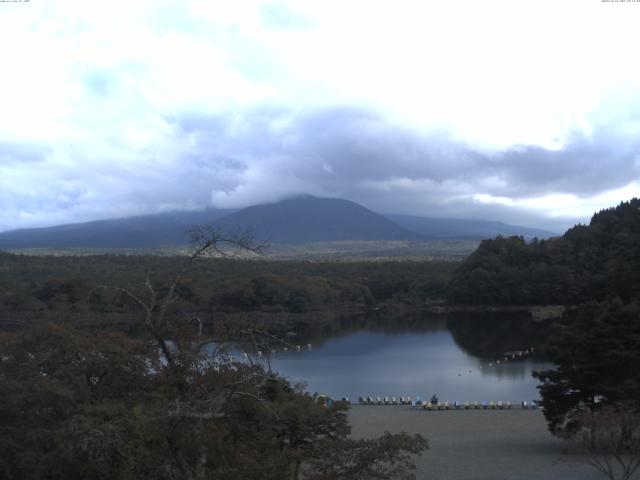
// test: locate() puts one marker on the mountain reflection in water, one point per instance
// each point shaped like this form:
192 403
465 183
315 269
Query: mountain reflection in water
414 357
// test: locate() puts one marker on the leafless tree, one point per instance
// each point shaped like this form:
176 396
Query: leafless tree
611 438
206 241
206 408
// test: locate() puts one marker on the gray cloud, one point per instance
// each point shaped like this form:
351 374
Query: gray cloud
585 166
358 154
122 108
234 160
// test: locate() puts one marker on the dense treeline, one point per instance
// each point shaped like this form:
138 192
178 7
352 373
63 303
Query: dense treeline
77 404
84 402
597 353
594 262
595 269
33 285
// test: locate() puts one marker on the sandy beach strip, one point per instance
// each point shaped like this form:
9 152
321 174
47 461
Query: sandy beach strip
478 444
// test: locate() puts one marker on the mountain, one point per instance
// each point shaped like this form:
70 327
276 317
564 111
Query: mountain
464 228
132 232
296 220
306 219
301 219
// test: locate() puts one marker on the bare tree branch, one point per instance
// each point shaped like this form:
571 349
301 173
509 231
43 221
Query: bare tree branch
611 438
204 241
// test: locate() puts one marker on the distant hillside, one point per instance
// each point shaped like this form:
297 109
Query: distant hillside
589 262
145 231
464 228
302 219
297 220
305 219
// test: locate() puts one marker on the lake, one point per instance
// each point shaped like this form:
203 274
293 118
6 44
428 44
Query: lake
410 361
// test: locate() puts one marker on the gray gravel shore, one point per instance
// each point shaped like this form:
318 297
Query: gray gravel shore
478 444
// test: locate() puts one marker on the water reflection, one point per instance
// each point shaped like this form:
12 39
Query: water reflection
491 335
416 356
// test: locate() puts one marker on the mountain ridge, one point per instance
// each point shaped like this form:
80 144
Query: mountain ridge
294 220
307 219
465 228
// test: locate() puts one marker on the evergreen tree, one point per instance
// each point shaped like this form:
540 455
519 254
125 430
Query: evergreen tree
598 363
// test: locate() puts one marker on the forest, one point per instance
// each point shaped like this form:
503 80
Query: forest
594 270
588 263
124 411
82 402
36 287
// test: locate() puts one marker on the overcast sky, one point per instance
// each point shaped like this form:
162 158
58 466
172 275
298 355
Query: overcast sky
521 111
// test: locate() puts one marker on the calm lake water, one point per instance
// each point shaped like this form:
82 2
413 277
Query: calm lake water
410 362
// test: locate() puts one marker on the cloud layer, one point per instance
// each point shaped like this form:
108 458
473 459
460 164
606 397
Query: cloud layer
408 107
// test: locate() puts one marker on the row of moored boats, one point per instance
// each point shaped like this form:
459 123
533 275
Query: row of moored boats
417 403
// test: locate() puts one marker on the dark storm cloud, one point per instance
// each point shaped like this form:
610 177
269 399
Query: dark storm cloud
263 155
355 145
357 154
584 166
